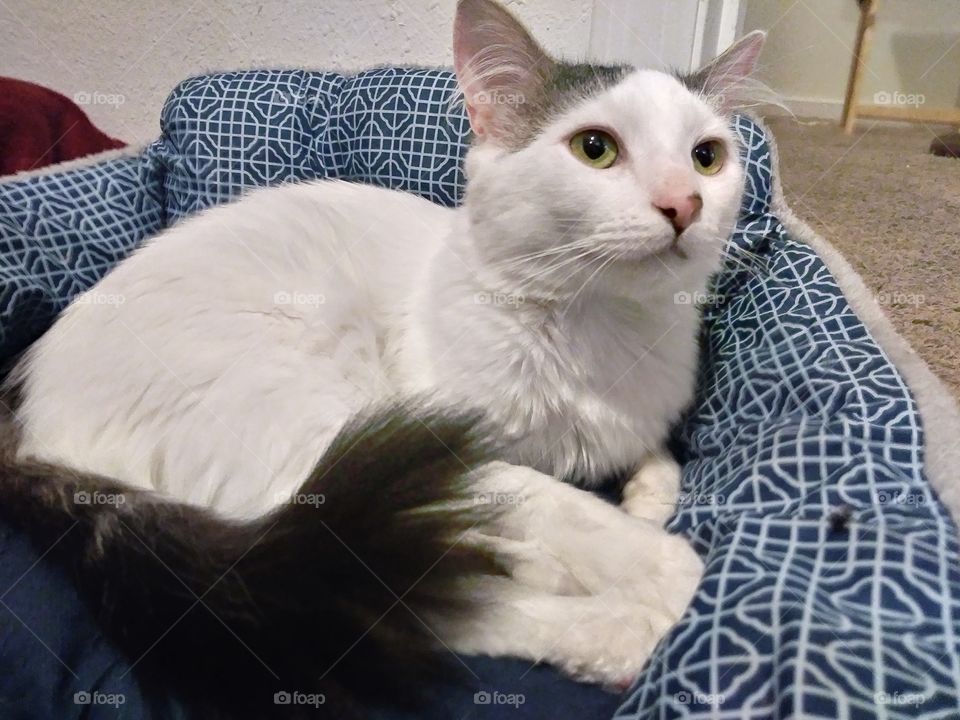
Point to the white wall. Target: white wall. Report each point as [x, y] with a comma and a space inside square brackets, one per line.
[916, 50]
[126, 55]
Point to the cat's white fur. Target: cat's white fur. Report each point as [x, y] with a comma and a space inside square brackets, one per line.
[218, 362]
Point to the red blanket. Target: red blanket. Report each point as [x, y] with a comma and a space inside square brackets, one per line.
[40, 127]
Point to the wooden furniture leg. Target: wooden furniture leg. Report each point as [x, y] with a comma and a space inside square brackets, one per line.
[868, 16]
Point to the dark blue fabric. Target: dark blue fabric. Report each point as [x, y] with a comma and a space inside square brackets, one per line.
[502, 689]
[54, 664]
[798, 412]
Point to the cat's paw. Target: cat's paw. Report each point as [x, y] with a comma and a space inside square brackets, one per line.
[610, 644]
[679, 575]
[653, 491]
[618, 629]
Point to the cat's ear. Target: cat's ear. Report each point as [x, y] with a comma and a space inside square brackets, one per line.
[499, 66]
[726, 78]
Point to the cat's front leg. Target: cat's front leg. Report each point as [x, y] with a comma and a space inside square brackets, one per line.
[590, 589]
[605, 639]
[653, 491]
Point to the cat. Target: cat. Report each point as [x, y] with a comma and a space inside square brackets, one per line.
[326, 384]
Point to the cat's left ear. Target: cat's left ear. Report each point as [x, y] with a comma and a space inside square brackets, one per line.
[499, 67]
[724, 78]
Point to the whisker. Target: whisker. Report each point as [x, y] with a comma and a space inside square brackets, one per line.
[582, 268]
[520, 259]
[736, 257]
[592, 275]
[530, 279]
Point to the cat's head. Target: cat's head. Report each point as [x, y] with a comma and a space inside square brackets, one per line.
[584, 177]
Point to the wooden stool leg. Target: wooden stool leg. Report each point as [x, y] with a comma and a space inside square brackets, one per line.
[868, 12]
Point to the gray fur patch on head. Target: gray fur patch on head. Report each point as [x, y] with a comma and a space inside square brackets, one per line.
[695, 82]
[565, 86]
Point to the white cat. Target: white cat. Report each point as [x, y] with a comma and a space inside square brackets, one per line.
[249, 335]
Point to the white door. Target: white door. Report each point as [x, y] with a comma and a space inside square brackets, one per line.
[662, 34]
[722, 24]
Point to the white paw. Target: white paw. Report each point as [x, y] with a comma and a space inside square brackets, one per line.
[679, 575]
[589, 589]
[653, 491]
[611, 640]
[612, 647]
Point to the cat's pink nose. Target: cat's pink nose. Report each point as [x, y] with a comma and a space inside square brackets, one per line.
[681, 210]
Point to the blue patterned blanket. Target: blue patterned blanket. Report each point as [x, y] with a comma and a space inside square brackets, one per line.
[833, 583]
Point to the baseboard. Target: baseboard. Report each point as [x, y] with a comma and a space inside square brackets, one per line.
[805, 107]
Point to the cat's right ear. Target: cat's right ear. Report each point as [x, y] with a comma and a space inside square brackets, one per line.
[499, 67]
[727, 78]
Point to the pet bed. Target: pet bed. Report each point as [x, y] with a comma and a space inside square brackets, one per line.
[819, 458]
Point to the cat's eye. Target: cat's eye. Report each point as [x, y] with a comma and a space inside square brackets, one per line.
[708, 157]
[596, 148]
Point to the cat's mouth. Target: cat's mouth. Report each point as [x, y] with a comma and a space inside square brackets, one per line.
[642, 249]
[676, 249]
[673, 248]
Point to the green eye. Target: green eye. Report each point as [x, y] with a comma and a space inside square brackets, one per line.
[708, 157]
[594, 148]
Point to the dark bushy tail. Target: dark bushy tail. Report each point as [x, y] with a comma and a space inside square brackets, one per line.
[327, 596]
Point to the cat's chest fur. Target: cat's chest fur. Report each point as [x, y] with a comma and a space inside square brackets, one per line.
[580, 393]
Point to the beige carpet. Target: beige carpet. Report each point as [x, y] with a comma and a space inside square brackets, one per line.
[893, 210]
